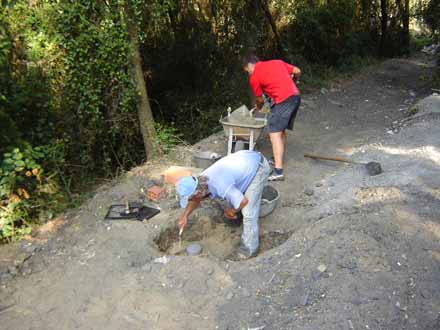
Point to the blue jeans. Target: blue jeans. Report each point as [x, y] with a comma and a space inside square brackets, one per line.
[250, 236]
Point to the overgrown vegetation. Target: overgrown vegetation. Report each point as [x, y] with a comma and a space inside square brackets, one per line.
[69, 107]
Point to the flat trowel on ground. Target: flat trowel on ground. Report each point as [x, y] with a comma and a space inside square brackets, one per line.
[373, 168]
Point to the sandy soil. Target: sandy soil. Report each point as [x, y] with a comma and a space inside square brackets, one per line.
[343, 250]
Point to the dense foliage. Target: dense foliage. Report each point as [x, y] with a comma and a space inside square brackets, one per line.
[68, 102]
[431, 15]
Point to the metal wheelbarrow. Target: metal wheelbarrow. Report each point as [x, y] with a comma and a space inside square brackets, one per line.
[242, 124]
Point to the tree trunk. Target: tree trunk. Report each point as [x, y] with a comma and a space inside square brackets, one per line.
[404, 15]
[366, 12]
[264, 5]
[384, 25]
[146, 120]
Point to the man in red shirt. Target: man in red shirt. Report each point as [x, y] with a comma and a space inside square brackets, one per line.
[275, 79]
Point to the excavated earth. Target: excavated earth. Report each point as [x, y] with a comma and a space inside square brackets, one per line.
[343, 250]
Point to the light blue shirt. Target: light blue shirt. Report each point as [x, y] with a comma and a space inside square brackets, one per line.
[230, 176]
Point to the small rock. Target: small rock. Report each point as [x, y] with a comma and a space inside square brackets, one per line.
[210, 271]
[322, 268]
[309, 191]
[425, 293]
[30, 249]
[146, 268]
[229, 296]
[5, 277]
[26, 270]
[12, 270]
[316, 275]
[324, 91]
[318, 184]
[305, 300]
[162, 260]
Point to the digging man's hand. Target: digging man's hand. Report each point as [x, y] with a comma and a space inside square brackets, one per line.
[230, 213]
[183, 220]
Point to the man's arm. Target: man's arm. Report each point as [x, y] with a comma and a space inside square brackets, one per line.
[259, 102]
[231, 213]
[192, 205]
[294, 71]
[296, 74]
[258, 92]
[237, 201]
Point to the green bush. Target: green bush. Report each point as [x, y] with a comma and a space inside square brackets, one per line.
[29, 188]
[168, 137]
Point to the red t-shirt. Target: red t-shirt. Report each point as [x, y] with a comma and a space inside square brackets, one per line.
[273, 78]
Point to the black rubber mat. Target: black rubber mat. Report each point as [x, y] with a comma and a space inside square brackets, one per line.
[135, 211]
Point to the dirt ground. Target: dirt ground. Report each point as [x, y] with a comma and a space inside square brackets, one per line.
[343, 250]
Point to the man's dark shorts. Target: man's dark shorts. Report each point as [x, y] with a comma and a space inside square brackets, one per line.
[283, 114]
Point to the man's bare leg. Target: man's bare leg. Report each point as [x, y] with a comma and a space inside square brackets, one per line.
[278, 143]
[284, 144]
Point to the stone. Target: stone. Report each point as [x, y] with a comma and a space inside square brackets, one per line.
[162, 260]
[316, 275]
[322, 268]
[425, 293]
[146, 268]
[6, 277]
[229, 296]
[26, 270]
[305, 300]
[30, 249]
[319, 184]
[309, 192]
[12, 270]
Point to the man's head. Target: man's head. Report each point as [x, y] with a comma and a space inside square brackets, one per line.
[248, 62]
[190, 187]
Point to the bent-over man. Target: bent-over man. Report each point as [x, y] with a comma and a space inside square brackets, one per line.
[239, 179]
